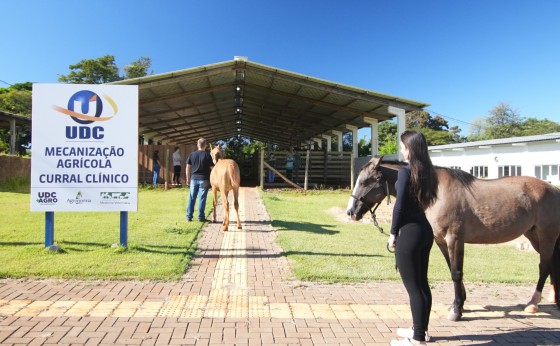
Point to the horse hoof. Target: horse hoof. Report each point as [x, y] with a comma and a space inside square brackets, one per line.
[239, 227]
[532, 309]
[454, 316]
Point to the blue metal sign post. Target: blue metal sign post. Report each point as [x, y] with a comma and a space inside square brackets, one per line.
[124, 228]
[49, 228]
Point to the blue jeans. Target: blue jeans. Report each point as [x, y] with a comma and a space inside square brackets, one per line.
[156, 174]
[198, 188]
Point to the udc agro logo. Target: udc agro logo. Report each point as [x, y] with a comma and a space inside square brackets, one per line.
[46, 198]
[86, 107]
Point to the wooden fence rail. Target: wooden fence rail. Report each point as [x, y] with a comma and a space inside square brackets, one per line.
[325, 168]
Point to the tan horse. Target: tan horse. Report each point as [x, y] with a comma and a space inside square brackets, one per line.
[225, 177]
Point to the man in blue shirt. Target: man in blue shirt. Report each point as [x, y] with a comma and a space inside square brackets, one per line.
[199, 165]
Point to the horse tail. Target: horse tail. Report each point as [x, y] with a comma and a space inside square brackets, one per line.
[555, 272]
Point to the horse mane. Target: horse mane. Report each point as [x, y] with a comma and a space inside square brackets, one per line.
[464, 178]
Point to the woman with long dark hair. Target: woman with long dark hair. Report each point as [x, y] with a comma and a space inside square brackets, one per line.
[411, 233]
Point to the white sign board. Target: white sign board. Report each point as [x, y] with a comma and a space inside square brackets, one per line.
[84, 148]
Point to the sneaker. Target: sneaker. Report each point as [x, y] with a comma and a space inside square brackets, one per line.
[407, 342]
[408, 333]
[203, 220]
[189, 220]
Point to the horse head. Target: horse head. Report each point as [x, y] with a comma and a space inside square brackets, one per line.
[370, 189]
[216, 153]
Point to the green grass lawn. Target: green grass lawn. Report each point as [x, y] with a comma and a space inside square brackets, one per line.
[160, 241]
[319, 246]
[322, 248]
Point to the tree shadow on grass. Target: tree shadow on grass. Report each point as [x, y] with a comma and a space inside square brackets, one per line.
[253, 252]
[74, 246]
[330, 254]
[19, 243]
[304, 227]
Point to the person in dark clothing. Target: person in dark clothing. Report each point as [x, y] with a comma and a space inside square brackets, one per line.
[199, 165]
[411, 233]
[157, 167]
[297, 164]
[272, 163]
[289, 164]
[176, 166]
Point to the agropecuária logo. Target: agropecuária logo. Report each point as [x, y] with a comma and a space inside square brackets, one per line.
[79, 199]
[86, 107]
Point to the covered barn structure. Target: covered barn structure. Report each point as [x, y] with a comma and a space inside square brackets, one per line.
[15, 124]
[277, 107]
[242, 98]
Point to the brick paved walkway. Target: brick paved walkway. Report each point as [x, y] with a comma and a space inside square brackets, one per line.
[239, 292]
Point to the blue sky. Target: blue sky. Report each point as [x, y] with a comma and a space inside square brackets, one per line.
[462, 57]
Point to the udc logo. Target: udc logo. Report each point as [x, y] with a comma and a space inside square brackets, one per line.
[86, 107]
[85, 99]
[46, 198]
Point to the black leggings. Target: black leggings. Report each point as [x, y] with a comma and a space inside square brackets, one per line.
[413, 254]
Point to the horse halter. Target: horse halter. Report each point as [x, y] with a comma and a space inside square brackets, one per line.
[373, 208]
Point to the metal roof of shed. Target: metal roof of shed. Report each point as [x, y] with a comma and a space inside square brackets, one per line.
[272, 105]
[6, 118]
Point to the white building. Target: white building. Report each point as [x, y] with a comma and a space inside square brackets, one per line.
[537, 156]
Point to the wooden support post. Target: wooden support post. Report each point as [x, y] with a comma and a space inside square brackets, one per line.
[306, 169]
[261, 169]
[166, 175]
[351, 172]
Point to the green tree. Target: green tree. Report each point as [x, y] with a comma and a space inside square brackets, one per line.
[503, 122]
[4, 139]
[92, 71]
[455, 136]
[239, 148]
[104, 70]
[388, 148]
[387, 141]
[533, 126]
[435, 137]
[477, 130]
[424, 120]
[364, 147]
[16, 99]
[138, 68]
[436, 129]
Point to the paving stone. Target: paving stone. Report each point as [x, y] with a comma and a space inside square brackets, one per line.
[239, 290]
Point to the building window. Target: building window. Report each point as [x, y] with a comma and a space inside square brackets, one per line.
[547, 172]
[509, 171]
[480, 171]
[455, 167]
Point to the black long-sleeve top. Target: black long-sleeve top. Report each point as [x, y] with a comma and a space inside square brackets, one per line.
[406, 208]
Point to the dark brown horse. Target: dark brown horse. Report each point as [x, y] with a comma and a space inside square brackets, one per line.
[225, 177]
[476, 211]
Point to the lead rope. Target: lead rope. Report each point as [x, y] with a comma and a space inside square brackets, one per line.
[372, 211]
[374, 217]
